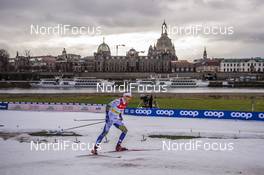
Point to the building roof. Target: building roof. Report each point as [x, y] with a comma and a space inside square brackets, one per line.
[182, 63]
[208, 62]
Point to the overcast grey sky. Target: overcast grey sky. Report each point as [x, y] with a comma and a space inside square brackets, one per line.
[135, 23]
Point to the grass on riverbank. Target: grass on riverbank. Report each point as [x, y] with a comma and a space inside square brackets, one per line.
[207, 103]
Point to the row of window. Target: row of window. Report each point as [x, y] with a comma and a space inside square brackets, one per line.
[184, 69]
[242, 64]
[129, 58]
[242, 70]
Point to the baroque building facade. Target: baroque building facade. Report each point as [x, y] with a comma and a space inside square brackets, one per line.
[242, 65]
[159, 58]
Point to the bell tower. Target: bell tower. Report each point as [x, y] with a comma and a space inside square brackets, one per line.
[205, 53]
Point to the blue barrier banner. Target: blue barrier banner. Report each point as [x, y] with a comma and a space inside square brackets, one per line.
[205, 114]
[3, 106]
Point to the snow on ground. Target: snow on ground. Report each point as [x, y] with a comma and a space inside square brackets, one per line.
[246, 157]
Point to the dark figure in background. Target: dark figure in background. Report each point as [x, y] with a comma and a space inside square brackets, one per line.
[144, 101]
[150, 100]
[147, 101]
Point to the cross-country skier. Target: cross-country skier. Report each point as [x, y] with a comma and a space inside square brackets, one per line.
[114, 111]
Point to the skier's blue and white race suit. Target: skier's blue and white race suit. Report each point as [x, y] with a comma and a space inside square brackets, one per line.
[114, 117]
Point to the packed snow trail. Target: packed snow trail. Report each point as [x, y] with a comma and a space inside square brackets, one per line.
[17, 159]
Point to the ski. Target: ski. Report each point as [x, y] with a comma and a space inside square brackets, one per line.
[82, 120]
[130, 150]
[99, 155]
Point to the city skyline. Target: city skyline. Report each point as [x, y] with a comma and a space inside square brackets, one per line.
[136, 25]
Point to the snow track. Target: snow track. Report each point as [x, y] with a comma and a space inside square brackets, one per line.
[246, 158]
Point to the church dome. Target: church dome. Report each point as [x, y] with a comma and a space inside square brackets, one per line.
[132, 52]
[164, 43]
[102, 48]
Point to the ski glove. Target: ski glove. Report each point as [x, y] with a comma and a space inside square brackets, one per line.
[120, 117]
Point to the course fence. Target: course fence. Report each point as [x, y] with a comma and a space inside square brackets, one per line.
[144, 112]
[205, 114]
[66, 107]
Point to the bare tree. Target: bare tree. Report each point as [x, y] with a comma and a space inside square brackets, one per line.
[4, 56]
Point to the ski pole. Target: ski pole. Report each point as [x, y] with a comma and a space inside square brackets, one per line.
[80, 120]
[83, 126]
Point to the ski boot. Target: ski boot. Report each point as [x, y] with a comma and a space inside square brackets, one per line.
[94, 150]
[120, 148]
